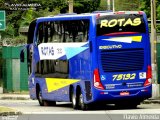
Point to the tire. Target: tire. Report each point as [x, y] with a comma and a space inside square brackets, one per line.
[82, 105]
[40, 100]
[44, 102]
[74, 100]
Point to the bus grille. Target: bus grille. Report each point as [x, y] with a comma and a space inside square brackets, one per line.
[122, 60]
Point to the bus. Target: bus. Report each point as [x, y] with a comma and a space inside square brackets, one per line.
[101, 58]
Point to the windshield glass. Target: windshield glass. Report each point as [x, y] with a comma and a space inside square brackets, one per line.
[120, 23]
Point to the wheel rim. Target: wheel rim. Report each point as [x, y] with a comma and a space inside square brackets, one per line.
[81, 102]
[73, 100]
[81, 99]
[40, 97]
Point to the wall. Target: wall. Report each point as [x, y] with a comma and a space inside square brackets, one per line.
[15, 73]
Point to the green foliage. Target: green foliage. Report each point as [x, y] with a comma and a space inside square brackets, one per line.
[158, 12]
[125, 5]
[27, 17]
[158, 16]
[1, 82]
[146, 7]
[9, 31]
[103, 5]
[158, 28]
[19, 40]
[85, 6]
[20, 18]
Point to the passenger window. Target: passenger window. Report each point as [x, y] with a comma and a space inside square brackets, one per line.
[63, 31]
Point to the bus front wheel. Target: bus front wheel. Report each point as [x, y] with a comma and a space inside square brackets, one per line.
[39, 97]
[44, 102]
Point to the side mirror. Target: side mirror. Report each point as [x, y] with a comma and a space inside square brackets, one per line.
[22, 56]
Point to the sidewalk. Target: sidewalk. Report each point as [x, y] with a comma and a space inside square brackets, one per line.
[152, 101]
[14, 96]
[6, 111]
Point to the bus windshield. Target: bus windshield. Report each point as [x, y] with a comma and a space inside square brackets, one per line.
[120, 23]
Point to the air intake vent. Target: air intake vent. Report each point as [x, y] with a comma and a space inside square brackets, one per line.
[122, 60]
[88, 90]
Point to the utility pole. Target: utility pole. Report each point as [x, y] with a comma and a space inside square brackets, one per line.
[113, 5]
[155, 86]
[70, 6]
[109, 4]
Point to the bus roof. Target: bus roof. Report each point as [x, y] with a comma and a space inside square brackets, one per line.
[68, 16]
[73, 16]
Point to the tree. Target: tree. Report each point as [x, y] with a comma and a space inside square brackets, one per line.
[103, 5]
[17, 18]
[146, 7]
[85, 6]
[158, 10]
[124, 5]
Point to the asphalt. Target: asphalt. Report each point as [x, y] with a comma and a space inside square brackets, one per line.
[12, 112]
[27, 97]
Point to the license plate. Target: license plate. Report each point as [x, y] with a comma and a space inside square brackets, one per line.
[124, 93]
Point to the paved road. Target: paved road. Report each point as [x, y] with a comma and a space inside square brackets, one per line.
[32, 107]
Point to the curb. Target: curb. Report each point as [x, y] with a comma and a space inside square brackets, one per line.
[14, 97]
[151, 101]
[10, 113]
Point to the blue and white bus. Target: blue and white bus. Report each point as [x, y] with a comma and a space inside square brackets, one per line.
[90, 58]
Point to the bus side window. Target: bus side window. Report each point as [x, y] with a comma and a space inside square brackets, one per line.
[29, 49]
[85, 30]
[31, 32]
[78, 30]
[40, 33]
[55, 32]
[67, 31]
[43, 32]
[46, 31]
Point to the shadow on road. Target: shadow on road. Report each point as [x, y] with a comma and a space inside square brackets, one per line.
[96, 107]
